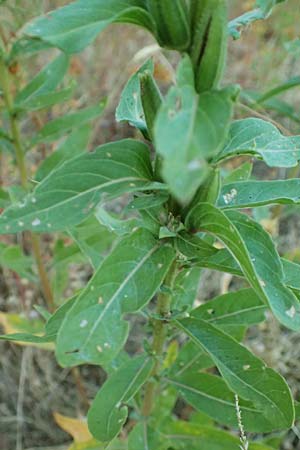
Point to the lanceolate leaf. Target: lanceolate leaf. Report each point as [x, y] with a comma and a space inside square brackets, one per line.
[247, 194]
[289, 84]
[93, 330]
[264, 8]
[51, 328]
[243, 307]
[193, 246]
[108, 412]
[43, 83]
[262, 139]
[191, 359]
[12, 257]
[210, 394]
[254, 250]
[244, 373]
[144, 437]
[183, 435]
[185, 288]
[130, 107]
[190, 129]
[76, 25]
[223, 261]
[73, 145]
[70, 193]
[63, 125]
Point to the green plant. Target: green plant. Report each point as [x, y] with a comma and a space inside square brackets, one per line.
[183, 207]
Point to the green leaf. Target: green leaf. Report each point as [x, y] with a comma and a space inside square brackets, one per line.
[263, 10]
[49, 99]
[191, 359]
[144, 437]
[243, 307]
[50, 330]
[73, 27]
[254, 250]
[287, 85]
[262, 139]
[120, 285]
[63, 125]
[75, 144]
[92, 239]
[242, 173]
[146, 201]
[4, 198]
[248, 194]
[210, 394]
[291, 274]
[12, 257]
[185, 288]
[25, 47]
[246, 375]
[223, 261]
[189, 130]
[183, 435]
[118, 226]
[193, 246]
[70, 193]
[42, 84]
[109, 412]
[130, 107]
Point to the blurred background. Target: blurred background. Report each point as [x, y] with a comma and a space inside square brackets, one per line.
[32, 387]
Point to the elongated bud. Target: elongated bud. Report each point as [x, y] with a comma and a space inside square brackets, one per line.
[209, 42]
[151, 99]
[172, 23]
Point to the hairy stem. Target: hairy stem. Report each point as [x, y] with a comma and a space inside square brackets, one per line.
[160, 329]
[5, 83]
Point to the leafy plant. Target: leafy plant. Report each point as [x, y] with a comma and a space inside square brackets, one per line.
[182, 215]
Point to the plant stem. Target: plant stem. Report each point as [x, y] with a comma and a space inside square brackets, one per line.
[5, 83]
[160, 329]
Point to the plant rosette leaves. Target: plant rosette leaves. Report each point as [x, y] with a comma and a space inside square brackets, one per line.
[263, 140]
[245, 374]
[109, 412]
[120, 285]
[75, 26]
[71, 193]
[254, 251]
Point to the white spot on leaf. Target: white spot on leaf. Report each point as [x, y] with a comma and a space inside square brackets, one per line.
[36, 222]
[230, 196]
[291, 312]
[83, 323]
